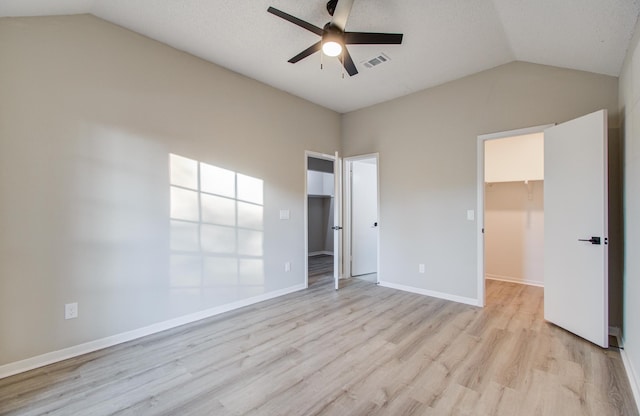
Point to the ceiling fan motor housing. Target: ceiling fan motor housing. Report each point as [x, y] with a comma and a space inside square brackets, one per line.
[332, 33]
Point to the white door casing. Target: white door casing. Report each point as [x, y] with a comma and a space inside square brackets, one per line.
[575, 205]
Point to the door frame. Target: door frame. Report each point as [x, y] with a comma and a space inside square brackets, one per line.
[347, 200]
[307, 155]
[480, 200]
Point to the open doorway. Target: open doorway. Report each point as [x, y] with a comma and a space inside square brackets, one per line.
[326, 239]
[320, 219]
[576, 216]
[512, 213]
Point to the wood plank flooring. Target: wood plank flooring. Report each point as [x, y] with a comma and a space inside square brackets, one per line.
[321, 264]
[364, 350]
[320, 269]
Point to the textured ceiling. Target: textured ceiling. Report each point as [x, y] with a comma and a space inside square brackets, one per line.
[443, 39]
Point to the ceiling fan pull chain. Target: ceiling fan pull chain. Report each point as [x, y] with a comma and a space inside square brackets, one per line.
[321, 61]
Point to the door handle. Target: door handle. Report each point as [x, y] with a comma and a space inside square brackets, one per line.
[337, 228]
[592, 240]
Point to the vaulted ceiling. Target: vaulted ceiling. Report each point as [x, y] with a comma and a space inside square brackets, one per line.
[443, 39]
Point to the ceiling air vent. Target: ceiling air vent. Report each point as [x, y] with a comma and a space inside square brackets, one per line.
[375, 61]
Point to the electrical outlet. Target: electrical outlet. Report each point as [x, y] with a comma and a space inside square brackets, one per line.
[70, 310]
[287, 266]
[420, 268]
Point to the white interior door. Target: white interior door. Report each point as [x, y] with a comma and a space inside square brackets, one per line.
[337, 221]
[364, 217]
[575, 206]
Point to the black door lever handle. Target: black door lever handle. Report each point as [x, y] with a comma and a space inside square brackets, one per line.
[592, 240]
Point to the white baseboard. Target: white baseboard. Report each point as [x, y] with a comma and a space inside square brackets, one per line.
[10, 369]
[514, 280]
[318, 253]
[439, 295]
[632, 375]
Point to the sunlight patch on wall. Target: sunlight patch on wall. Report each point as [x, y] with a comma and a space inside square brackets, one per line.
[217, 220]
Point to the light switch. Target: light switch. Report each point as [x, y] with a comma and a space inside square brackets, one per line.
[471, 215]
[284, 214]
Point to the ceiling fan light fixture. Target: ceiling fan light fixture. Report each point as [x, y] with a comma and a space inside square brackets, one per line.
[331, 48]
[332, 40]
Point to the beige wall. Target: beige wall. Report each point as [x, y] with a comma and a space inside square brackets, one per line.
[427, 144]
[630, 114]
[514, 231]
[89, 113]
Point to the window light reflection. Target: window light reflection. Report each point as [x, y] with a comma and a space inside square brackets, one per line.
[219, 210]
[184, 172]
[217, 221]
[218, 181]
[184, 204]
[249, 189]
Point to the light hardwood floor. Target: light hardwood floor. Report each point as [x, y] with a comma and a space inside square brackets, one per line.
[364, 350]
[320, 264]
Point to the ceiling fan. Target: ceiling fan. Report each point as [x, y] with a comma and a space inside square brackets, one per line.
[334, 37]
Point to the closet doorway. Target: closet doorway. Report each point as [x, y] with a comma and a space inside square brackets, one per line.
[513, 213]
[514, 209]
[576, 216]
[320, 219]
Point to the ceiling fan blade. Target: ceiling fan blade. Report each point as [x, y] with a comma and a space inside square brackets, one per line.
[341, 14]
[348, 63]
[366, 38]
[309, 51]
[296, 21]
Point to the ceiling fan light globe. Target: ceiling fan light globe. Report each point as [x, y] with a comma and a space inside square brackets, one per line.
[331, 48]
